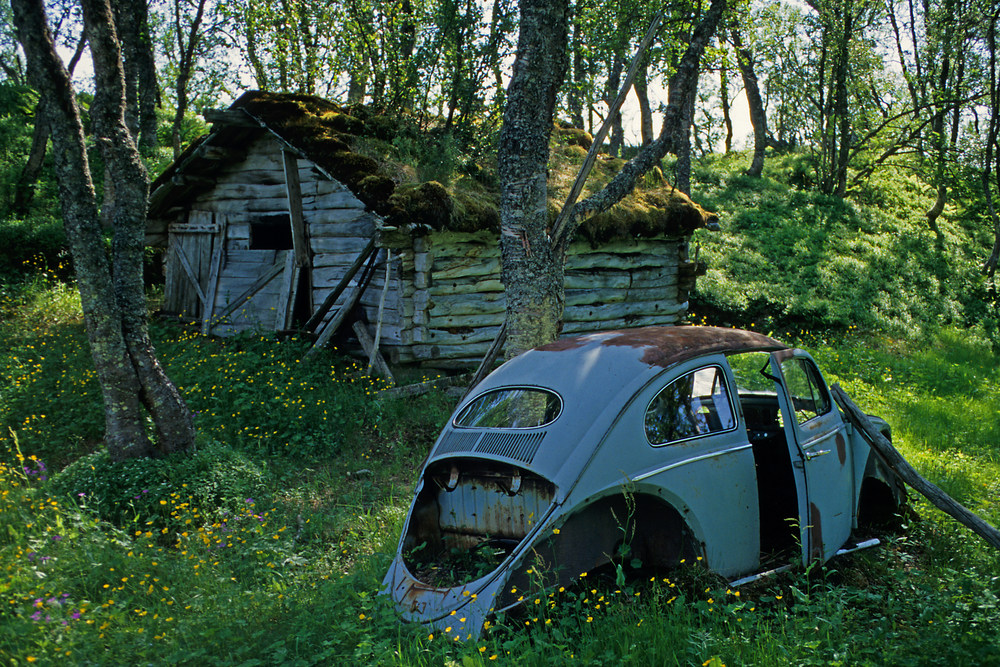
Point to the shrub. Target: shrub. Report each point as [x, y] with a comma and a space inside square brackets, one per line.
[138, 489]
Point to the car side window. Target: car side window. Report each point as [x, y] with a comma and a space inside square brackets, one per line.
[692, 405]
[805, 390]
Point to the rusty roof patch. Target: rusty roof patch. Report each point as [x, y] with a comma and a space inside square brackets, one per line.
[667, 345]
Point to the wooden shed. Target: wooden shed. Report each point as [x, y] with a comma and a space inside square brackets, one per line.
[293, 207]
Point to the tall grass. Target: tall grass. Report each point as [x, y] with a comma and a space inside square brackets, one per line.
[269, 546]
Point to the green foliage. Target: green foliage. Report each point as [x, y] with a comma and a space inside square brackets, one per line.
[139, 490]
[32, 246]
[791, 258]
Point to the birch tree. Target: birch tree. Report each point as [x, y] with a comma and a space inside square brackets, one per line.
[133, 384]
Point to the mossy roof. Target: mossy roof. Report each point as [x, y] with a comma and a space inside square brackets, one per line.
[353, 144]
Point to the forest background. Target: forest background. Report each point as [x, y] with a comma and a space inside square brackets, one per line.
[869, 235]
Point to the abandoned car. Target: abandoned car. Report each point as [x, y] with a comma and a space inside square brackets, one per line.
[632, 449]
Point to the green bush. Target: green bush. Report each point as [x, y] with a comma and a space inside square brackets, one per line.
[141, 490]
[34, 245]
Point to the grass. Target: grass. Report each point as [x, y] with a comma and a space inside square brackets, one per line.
[269, 546]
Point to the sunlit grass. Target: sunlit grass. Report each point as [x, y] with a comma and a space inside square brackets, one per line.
[270, 546]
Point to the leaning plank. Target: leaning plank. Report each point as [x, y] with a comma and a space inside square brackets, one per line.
[410, 390]
[287, 293]
[213, 277]
[338, 319]
[253, 289]
[181, 255]
[375, 360]
[892, 458]
[341, 286]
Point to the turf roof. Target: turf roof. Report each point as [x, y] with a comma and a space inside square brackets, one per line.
[354, 145]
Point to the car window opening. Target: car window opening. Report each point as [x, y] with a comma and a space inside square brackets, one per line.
[469, 516]
[693, 405]
[776, 492]
[518, 408]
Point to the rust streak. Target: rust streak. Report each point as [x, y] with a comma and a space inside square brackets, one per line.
[841, 449]
[815, 532]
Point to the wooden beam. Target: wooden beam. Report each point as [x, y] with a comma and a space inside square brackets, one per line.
[300, 244]
[892, 458]
[338, 319]
[381, 311]
[368, 345]
[332, 297]
[411, 390]
[250, 291]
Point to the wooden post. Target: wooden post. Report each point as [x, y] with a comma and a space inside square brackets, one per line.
[294, 189]
[213, 277]
[892, 458]
[381, 307]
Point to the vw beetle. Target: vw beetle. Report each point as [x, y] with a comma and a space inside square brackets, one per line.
[632, 449]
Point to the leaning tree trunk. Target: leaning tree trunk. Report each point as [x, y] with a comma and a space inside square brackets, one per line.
[532, 275]
[112, 297]
[758, 118]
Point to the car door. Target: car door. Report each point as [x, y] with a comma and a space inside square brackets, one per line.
[821, 459]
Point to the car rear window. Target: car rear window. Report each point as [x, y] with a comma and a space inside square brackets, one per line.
[520, 407]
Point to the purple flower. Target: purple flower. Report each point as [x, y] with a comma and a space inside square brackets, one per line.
[76, 616]
[37, 616]
[56, 538]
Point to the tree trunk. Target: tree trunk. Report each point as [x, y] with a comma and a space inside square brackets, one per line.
[186, 51]
[641, 87]
[758, 117]
[532, 275]
[141, 90]
[112, 296]
[727, 118]
[575, 102]
[617, 140]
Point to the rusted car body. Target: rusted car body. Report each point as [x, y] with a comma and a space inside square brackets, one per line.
[632, 449]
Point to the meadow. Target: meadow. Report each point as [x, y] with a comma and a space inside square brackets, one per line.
[268, 547]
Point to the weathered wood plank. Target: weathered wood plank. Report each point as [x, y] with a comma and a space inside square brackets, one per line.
[605, 260]
[615, 311]
[254, 288]
[213, 277]
[339, 244]
[366, 255]
[471, 286]
[465, 268]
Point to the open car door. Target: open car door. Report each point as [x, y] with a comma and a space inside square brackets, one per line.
[821, 459]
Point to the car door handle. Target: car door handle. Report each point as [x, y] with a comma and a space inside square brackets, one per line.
[811, 455]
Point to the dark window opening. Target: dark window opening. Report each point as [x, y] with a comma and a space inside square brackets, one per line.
[271, 232]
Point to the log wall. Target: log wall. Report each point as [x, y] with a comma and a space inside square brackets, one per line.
[453, 301]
